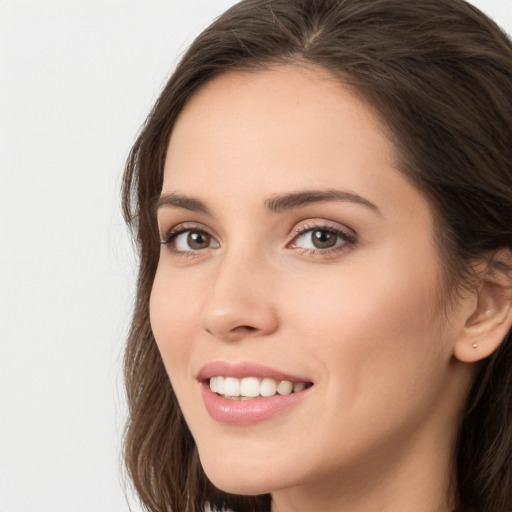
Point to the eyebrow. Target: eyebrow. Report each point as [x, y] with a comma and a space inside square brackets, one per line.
[274, 204]
[174, 200]
[280, 203]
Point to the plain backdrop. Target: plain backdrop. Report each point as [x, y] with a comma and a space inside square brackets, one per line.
[77, 79]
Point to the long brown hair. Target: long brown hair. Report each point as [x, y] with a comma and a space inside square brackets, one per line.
[439, 74]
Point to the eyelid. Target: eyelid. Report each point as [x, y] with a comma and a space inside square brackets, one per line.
[348, 236]
[320, 224]
[170, 234]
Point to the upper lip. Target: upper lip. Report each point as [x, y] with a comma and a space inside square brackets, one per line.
[245, 369]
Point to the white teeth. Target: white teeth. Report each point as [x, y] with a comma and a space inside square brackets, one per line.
[268, 387]
[299, 386]
[285, 387]
[217, 385]
[231, 386]
[252, 387]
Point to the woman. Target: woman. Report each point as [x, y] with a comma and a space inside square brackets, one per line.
[322, 200]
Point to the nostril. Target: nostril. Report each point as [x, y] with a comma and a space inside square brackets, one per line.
[239, 329]
[247, 328]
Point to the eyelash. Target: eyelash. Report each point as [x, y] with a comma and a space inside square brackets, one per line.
[349, 240]
[173, 233]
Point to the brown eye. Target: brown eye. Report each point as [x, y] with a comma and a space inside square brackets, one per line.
[198, 240]
[190, 240]
[323, 239]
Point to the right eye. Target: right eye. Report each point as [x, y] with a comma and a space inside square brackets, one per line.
[186, 240]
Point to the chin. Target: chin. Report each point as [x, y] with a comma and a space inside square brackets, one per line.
[241, 488]
[233, 483]
[241, 475]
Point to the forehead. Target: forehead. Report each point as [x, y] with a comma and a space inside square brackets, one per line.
[290, 121]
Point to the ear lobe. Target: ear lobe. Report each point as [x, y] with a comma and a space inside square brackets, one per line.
[491, 317]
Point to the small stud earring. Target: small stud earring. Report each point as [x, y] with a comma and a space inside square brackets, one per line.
[475, 345]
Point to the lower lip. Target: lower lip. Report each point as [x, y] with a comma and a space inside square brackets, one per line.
[247, 412]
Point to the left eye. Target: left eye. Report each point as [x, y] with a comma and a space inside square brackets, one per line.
[321, 238]
[192, 240]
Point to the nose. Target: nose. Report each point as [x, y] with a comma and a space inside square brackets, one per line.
[239, 303]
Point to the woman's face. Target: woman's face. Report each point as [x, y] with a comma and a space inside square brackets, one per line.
[295, 251]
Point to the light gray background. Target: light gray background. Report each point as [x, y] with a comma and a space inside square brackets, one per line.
[77, 79]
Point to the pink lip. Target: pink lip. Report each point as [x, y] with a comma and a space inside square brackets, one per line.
[246, 412]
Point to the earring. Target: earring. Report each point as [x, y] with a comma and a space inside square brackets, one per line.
[475, 345]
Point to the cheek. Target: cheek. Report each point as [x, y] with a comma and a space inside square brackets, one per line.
[363, 305]
[173, 315]
[373, 338]
[370, 328]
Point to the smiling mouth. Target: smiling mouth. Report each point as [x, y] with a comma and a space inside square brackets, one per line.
[250, 388]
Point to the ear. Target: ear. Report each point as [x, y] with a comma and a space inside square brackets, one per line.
[490, 316]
